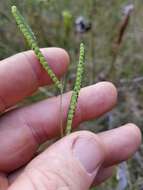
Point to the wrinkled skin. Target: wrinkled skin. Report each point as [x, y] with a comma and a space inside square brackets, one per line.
[76, 161]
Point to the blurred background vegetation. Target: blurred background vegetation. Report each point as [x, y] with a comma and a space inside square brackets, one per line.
[100, 24]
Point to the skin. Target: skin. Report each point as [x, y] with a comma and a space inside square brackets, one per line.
[64, 165]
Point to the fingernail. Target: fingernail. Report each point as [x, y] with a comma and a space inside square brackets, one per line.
[89, 153]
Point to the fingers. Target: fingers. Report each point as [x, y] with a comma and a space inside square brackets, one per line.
[120, 143]
[103, 175]
[76, 160]
[93, 101]
[119, 147]
[41, 121]
[71, 163]
[22, 74]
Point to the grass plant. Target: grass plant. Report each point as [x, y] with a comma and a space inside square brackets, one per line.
[31, 39]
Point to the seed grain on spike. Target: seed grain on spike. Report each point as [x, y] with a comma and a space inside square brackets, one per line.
[76, 90]
[31, 39]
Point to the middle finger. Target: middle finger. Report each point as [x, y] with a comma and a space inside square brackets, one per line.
[23, 130]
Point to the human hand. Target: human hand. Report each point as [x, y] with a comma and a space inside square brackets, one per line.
[74, 162]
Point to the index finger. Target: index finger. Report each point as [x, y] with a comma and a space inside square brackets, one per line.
[22, 74]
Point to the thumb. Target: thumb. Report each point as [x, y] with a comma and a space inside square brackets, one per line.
[71, 163]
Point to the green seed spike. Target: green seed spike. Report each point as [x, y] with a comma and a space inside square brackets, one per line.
[31, 39]
[76, 90]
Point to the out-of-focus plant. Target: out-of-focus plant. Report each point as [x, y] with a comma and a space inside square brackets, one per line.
[68, 21]
[118, 41]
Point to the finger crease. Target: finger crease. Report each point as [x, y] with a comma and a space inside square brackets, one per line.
[50, 174]
[32, 68]
[3, 104]
[35, 135]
